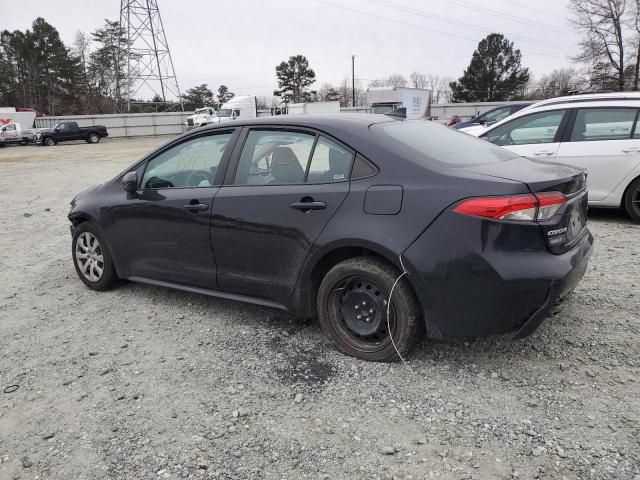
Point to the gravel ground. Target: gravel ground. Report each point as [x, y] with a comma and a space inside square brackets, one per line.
[143, 382]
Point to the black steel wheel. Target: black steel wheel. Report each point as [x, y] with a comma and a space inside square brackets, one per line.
[354, 310]
[632, 200]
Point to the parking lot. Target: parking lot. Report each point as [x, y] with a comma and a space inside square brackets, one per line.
[143, 382]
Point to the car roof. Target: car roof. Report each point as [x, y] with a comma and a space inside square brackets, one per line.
[588, 97]
[614, 99]
[363, 120]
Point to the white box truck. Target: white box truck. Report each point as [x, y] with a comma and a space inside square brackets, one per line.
[9, 115]
[387, 99]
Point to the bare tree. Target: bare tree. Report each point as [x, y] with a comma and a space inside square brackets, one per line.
[396, 80]
[634, 24]
[419, 80]
[441, 90]
[559, 82]
[344, 91]
[602, 23]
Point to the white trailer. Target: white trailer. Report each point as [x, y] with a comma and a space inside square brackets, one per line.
[386, 99]
[313, 108]
[9, 115]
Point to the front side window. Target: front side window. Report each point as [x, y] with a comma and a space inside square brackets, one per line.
[603, 124]
[274, 158]
[530, 129]
[62, 126]
[190, 164]
[10, 128]
[330, 162]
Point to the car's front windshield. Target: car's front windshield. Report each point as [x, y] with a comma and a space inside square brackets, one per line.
[202, 111]
[225, 112]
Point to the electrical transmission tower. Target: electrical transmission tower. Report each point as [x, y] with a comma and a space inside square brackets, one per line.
[149, 68]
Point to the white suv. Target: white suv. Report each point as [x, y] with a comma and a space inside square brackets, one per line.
[597, 132]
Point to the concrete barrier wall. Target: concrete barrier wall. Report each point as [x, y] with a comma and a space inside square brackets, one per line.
[172, 123]
[126, 125]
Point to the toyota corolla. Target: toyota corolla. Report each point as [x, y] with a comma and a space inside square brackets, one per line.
[383, 229]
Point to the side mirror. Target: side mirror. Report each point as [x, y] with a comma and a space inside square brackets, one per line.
[130, 182]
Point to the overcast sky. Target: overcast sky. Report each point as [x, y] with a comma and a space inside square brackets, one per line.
[239, 42]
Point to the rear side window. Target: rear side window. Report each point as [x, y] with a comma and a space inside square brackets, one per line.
[444, 144]
[274, 158]
[530, 129]
[330, 162]
[594, 124]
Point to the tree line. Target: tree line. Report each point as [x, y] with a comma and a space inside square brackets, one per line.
[38, 70]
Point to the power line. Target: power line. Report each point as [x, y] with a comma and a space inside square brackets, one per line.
[400, 22]
[500, 14]
[534, 9]
[433, 16]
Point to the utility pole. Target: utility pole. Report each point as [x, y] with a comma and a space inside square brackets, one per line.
[353, 80]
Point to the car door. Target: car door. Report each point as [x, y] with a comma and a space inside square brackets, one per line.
[279, 194]
[605, 142]
[535, 135]
[63, 132]
[162, 231]
[10, 132]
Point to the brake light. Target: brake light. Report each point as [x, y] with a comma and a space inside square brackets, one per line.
[529, 207]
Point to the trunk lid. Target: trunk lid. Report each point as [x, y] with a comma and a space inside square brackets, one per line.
[567, 226]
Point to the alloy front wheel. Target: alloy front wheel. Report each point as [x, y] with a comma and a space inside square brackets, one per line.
[91, 258]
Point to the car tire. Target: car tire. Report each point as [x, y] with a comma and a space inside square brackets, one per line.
[632, 200]
[93, 138]
[352, 308]
[49, 141]
[92, 259]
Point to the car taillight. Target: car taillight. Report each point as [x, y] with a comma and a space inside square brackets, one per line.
[530, 207]
[549, 203]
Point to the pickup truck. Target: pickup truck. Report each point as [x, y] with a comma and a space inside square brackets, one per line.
[68, 131]
[14, 133]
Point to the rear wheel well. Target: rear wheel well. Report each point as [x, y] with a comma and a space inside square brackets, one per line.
[626, 190]
[331, 259]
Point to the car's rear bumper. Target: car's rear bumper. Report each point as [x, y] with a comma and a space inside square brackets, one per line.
[477, 277]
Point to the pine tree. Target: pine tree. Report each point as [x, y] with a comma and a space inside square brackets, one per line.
[494, 74]
[224, 94]
[294, 76]
[198, 96]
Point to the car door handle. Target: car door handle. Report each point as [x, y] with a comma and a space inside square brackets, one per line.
[196, 207]
[544, 152]
[631, 150]
[305, 206]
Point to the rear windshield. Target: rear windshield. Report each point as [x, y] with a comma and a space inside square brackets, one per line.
[444, 144]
